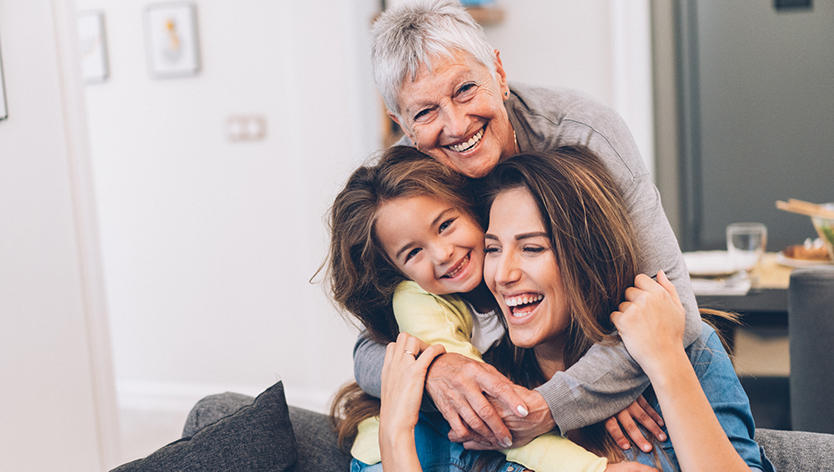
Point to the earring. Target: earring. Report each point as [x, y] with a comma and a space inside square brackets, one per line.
[506, 94]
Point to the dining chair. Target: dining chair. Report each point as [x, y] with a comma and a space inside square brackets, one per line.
[811, 333]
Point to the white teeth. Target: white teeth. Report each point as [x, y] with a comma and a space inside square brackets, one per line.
[458, 268]
[468, 145]
[523, 299]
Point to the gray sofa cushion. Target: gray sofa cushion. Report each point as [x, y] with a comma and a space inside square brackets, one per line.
[256, 437]
[797, 451]
[315, 438]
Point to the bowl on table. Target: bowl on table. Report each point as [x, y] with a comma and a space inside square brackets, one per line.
[825, 228]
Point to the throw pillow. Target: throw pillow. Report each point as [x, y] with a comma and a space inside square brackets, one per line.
[258, 437]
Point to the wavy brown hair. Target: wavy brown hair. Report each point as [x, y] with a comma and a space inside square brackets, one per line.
[361, 277]
[591, 235]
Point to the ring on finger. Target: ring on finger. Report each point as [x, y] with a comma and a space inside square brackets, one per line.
[409, 352]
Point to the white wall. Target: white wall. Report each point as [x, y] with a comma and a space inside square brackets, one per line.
[208, 244]
[57, 387]
[601, 47]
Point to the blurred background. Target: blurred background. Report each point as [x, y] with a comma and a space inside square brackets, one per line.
[160, 237]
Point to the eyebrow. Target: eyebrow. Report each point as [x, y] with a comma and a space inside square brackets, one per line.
[519, 237]
[434, 222]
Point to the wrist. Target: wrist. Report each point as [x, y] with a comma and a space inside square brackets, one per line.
[668, 369]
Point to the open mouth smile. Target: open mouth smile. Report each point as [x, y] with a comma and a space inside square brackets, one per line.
[523, 305]
[457, 268]
[466, 146]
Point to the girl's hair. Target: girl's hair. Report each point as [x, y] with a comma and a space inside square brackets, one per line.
[362, 278]
[591, 235]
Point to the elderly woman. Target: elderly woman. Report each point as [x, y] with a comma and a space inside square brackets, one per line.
[447, 89]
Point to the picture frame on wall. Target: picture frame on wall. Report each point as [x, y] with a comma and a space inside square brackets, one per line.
[93, 44]
[4, 112]
[172, 41]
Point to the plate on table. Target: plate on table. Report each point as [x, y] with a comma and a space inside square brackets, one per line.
[708, 263]
[784, 260]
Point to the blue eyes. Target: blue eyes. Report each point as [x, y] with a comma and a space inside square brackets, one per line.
[445, 225]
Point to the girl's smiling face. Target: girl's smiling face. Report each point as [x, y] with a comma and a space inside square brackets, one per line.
[433, 243]
[521, 270]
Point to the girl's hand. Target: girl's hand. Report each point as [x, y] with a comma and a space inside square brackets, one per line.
[403, 378]
[651, 321]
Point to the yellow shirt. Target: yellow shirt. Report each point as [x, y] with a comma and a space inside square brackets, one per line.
[446, 320]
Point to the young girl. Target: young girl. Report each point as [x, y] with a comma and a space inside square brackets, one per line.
[407, 256]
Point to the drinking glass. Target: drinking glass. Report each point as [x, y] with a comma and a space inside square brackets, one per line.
[746, 243]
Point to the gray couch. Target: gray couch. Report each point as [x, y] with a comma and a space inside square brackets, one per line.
[233, 432]
[790, 451]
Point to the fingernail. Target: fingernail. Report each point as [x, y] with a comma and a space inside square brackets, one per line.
[485, 444]
[647, 448]
[625, 445]
[661, 436]
[507, 442]
[522, 411]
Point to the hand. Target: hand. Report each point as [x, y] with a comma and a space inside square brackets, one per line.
[457, 385]
[645, 414]
[629, 467]
[538, 421]
[403, 378]
[651, 321]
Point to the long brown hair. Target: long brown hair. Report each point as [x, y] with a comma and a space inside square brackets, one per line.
[362, 279]
[595, 247]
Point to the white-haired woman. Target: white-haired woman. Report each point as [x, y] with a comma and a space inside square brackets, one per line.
[447, 88]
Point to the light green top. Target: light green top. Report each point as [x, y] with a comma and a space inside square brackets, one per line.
[446, 320]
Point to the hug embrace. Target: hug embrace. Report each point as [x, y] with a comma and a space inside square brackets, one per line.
[518, 226]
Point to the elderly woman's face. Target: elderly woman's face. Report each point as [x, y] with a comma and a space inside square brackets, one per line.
[455, 113]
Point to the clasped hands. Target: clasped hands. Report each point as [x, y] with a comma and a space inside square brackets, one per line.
[485, 410]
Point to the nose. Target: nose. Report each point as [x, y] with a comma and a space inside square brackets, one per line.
[443, 252]
[455, 122]
[506, 269]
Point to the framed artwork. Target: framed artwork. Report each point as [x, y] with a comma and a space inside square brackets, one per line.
[172, 44]
[4, 112]
[93, 46]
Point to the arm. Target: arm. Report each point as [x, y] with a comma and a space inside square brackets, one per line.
[403, 376]
[457, 380]
[651, 324]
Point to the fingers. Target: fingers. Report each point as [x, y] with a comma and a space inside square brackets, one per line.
[633, 431]
[613, 428]
[653, 414]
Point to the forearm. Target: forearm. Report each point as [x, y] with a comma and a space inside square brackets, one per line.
[368, 358]
[398, 451]
[690, 419]
[602, 383]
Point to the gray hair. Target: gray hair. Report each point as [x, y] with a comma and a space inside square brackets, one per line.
[410, 35]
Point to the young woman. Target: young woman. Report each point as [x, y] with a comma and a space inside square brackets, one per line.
[560, 258]
[407, 255]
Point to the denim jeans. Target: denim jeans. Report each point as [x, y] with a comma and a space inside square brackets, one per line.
[436, 452]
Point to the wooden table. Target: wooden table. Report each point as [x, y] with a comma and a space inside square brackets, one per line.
[766, 304]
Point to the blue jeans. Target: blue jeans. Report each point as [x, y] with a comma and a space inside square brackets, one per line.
[436, 452]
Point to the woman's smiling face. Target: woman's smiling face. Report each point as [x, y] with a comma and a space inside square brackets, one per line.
[521, 270]
[455, 113]
[432, 243]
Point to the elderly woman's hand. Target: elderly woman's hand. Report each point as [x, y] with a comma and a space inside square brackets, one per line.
[651, 321]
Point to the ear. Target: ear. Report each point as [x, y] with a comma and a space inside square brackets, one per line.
[405, 129]
[501, 76]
